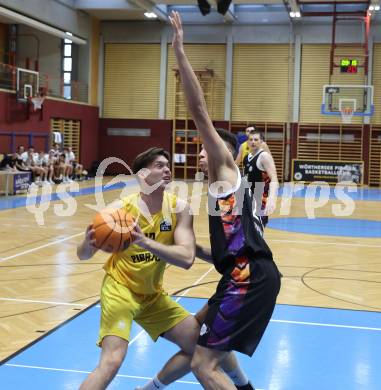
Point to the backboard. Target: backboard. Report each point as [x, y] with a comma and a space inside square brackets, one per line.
[337, 98]
[27, 84]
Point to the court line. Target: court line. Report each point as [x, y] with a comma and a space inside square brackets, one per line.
[44, 302]
[185, 292]
[176, 300]
[88, 372]
[41, 247]
[327, 325]
[49, 244]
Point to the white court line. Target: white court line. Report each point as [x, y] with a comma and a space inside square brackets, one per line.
[41, 247]
[185, 292]
[327, 325]
[44, 302]
[325, 243]
[88, 372]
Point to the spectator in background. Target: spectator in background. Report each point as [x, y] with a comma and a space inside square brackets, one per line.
[42, 162]
[20, 151]
[70, 159]
[50, 161]
[56, 150]
[8, 163]
[66, 169]
[31, 163]
[20, 164]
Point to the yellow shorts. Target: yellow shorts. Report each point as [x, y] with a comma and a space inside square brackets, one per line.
[156, 313]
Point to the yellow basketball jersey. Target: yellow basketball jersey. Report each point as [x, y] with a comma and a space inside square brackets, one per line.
[136, 267]
[245, 150]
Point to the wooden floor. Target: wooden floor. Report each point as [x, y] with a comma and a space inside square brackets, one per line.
[42, 283]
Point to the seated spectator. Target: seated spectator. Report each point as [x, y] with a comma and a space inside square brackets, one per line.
[56, 150]
[62, 170]
[49, 163]
[20, 152]
[8, 163]
[42, 162]
[20, 163]
[31, 163]
[70, 159]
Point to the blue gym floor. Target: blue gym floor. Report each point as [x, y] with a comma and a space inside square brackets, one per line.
[303, 348]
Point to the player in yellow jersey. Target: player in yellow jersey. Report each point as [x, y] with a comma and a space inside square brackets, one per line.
[132, 287]
[244, 150]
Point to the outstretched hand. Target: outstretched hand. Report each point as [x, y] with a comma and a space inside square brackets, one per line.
[177, 40]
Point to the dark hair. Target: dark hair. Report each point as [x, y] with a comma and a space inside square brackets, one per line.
[230, 139]
[261, 137]
[144, 159]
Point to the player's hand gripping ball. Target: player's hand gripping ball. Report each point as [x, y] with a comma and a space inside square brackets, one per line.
[113, 230]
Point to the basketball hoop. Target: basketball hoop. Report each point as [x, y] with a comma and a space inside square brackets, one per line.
[346, 114]
[37, 102]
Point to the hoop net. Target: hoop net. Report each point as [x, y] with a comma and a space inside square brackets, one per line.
[37, 102]
[346, 114]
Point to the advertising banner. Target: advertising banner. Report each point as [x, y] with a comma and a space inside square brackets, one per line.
[329, 171]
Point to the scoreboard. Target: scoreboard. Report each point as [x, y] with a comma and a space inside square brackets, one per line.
[348, 65]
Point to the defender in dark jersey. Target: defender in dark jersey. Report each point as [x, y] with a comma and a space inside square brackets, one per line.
[259, 170]
[242, 306]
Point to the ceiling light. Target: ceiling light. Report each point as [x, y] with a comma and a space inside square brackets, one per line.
[150, 15]
[371, 8]
[297, 14]
[292, 14]
[377, 7]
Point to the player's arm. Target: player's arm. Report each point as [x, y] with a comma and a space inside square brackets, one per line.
[182, 252]
[268, 164]
[204, 253]
[221, 163]
[238, 160]
[86, 249]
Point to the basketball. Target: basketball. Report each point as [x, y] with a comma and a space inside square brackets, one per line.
[113, 230]
[178, 139]
[195, 139]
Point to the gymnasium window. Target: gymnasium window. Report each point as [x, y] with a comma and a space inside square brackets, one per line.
[69, 59]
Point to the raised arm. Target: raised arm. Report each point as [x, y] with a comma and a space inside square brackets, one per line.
[221, 162]
[182, 252]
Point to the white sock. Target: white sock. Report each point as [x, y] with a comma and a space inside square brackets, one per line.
[153, 384]
[238, 377]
